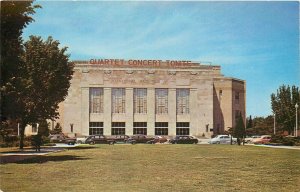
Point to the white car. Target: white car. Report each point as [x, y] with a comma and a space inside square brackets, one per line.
[222, 139]
[81, 140]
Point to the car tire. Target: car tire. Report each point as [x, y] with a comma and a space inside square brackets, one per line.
[79, 142]
[92, 143]
[218, 142]
[133, 142]
[111, 143]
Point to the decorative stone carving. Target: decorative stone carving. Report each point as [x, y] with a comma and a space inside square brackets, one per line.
[107, 72]
[172, 72]
[129, 71]
[85, 70]
[194, 72]
[151, 71]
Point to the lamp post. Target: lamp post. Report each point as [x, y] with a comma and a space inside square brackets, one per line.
[274, 123]
[296, 133]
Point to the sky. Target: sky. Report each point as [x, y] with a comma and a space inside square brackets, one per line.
[254, 41]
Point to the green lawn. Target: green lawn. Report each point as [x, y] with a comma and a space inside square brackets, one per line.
[157, 168]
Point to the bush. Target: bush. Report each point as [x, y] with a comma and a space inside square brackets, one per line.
[288, 141]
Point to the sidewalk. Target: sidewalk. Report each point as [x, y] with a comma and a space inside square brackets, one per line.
[279, 147]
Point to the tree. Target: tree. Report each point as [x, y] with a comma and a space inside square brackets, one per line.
[261, 126]
[45, 79]
[283, 106]
[15, 16]
[239, 129]
[249, 122]
[43, 129]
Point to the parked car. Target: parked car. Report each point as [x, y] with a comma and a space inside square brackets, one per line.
[159, 139]
[96, 139]
[250, 139]
[81, 140]
[139, 138]
[262, 140]
[117, 139]
[60, 138]
[184, 140]
[222, 139]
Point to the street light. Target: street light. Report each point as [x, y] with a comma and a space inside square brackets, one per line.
[274, 123]
[296, 106]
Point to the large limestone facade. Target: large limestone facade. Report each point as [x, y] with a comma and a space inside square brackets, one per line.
[209, 113]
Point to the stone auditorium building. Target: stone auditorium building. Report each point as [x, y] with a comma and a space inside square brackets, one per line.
[151, 97]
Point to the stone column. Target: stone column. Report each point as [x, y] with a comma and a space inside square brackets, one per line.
[129, 111]
[193, 104]
[107, 111]
[151, 111]
[172, 111]
[85, 113]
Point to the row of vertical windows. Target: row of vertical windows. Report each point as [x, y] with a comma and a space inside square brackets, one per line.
[118, 128]
[139, 100]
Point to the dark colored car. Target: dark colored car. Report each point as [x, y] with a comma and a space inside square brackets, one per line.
[60, 138]
[117, 139]
[140, 139]
[96, 139]
[184, 140]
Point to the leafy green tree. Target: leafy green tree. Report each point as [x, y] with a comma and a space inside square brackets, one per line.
[43, 128]
[250, 122]
[261, 126]
[239, 129]
[283, 105]
[44, 82]
[15, 16]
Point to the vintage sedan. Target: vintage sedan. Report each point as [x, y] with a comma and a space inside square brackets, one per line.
[160, 139]
[96, 139]
[184, 140]
[139, 138]
[262, 140]
[222, 139]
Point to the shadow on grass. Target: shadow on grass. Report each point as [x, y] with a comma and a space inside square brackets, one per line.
[26, 159]
[45, 158]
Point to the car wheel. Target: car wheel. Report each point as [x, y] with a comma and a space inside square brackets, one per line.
[111, 142]
[79, 142]
[218, 142]
[92, 143]
[133, 142]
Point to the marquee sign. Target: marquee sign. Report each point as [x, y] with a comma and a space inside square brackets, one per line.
[141, 63]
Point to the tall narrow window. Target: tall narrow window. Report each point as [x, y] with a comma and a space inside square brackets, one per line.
[237, 97]
[161, 101]
[182, 100]
[96, 100]
[34, 128]
[140, 100]
[118, 100]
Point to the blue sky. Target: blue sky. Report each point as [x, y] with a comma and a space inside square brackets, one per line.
[254, 41]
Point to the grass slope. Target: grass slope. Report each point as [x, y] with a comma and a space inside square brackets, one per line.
[157, 168]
